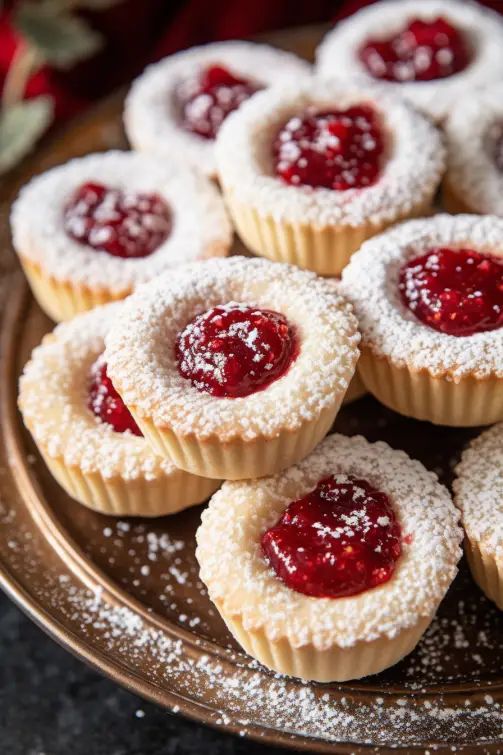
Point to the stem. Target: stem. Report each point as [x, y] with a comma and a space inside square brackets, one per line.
[24, 61]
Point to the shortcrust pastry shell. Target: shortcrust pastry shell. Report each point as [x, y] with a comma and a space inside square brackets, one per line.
[116, 496]
[326, 250]
[238, 458]
[334, 664]
[486, 569]
[468, 402]
[63, 300]
[452, 202]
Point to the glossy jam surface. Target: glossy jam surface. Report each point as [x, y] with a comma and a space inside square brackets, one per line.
[339, 540]
[105, 402]
[422, 51]
[207, 99]
[337, 149]
[121, 223]
[455, 291]
[234, 350]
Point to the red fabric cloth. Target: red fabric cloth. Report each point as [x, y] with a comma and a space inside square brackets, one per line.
[138, 32]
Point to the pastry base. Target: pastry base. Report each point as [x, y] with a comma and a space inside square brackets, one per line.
[62, 300]
[452, 203]
[335, 664]
[469, 403]
[325, 250]
[486, 570]
[355, 390]
[237, 459]
[138, 497]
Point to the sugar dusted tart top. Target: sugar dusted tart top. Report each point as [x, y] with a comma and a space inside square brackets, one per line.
[241, 582]
[199, 223]
[480, 28]
[152, 112]
[141, 357]
[411, 166]
[389, 328]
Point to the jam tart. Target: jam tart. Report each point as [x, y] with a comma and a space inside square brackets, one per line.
[430, 52]
[474, 133]
[89, 231]
[333, 569]
[216, 362]
[312, 169]
[179, 104]
[478, 492]
[85, 434]
[428, 295]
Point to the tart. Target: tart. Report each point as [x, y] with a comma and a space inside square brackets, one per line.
[431, 52]
[429, 298]
[333, 569]
[312, 169]
[87, 437]
[89, 231]
[216, 364]
[179, 104]
[478, 492]
[474, 178]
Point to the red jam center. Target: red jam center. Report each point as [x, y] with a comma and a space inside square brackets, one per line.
[105, 402]
[455, 291]
[233, 350]
[207, 99]
[122, 223]
[336, 149]
[422, 51]
[339, 540]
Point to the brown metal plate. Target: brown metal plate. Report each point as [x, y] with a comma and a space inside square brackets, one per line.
[125, 595]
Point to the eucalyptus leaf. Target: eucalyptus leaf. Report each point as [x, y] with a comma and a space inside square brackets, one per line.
[60, 39]
[21, 125]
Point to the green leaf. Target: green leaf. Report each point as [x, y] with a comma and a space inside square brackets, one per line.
[60, 39]
[21, 125]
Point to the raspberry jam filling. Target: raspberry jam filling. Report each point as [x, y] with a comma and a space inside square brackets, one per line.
[105, 402]
[336, 149]
[454, 291]
[234, 350]
[205, 100]
[422, 51]
[121, 223]
[340, 539]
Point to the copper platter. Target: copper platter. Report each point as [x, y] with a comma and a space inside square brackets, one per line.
[125, 596]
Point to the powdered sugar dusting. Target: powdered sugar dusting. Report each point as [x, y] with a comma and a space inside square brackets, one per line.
[412, 162]
[479, 490]
[239, 577]
[472, 129]
[39, 235]
[151, 116]
[389, 328]
[54, 401]
[338, 53]
[141, 357]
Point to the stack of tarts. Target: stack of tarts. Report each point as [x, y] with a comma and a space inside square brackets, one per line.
[327, 557]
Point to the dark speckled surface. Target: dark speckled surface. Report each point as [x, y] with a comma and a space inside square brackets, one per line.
[52, 704]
